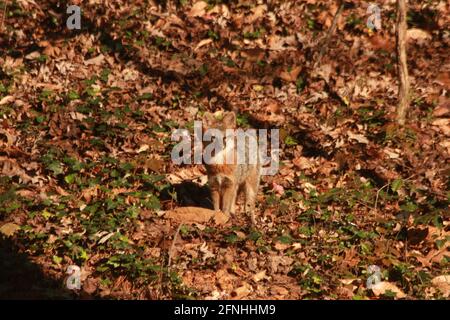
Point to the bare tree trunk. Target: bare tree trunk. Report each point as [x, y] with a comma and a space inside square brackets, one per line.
[403, 88]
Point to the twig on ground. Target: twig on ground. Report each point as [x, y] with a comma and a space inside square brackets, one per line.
[330, 33]
[4, 15]
[175, 237]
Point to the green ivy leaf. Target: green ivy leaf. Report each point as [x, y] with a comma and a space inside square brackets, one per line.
[396, 184]
[57, 259]
[70, 178]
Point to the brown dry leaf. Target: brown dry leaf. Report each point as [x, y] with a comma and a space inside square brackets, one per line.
[10, 137]
[258, 12]
[279, 291]
[279, 263]
[253, 54]
[358, 137]
[26, 193]
[292, 75]
[52, 51]
[143, 148]
[98, 60]
[6, 100]
[324, 72]
[8, 229]
[192, 173]
[10, 168]
[156, 165]
[443, 124]
[198, 9]
[347, 281]
[90, 192]
[443, 284]
[240, 234]
[281, 246]
[351, 258]
[391, 153]
[382, 42]
[443, 108]
[206, 252]
[202, 43]
[90, 285]
[242, 291]
[435, 256]
[33, 55]
[193, 215]
[225, 280]
[384, 286]
[418, 35]
[260, 276]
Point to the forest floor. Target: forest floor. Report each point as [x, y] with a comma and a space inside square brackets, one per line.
[86, 178]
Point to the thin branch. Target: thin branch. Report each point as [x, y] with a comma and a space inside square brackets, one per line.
[4, 16]
[330, 33]
[172, 247]
[378, 193]
[403, 88]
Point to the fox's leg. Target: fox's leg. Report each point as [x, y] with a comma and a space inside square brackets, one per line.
[229, 193]
[215, 195]
[250, 200]
[251, 186]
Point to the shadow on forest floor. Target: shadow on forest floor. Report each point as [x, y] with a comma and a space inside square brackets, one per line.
[22, 279]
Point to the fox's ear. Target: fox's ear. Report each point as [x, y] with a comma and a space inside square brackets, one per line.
[208, 119]
[229, 119]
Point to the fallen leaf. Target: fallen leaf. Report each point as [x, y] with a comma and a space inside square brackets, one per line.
[6, 100]
[260, 276]
[202, 43]
[198, 9]
[292, 75]
[242, 291]
[206, 252]
[417, 34]
[33, 55]
[8, 229]
[358, 137]
[98, 60]
[443, 284]
[383, 287]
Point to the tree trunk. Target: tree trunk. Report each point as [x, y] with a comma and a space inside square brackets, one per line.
[403, 88]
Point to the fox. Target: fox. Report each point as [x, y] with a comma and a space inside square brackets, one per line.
[227, 179]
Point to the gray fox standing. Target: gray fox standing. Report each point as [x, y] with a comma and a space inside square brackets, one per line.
[228, 178]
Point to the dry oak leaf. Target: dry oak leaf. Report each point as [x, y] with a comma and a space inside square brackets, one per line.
[434, 256]
[8, 229]
[443, 284]
[6, 100]
[358, 137]
[196, 215]
[291, 75]
[182, 175]
[383, 287]
[225, 280]
[417, 34]
[98, 60]
[202, 43]
[260, 276]
[443, 124]
[198, 9]
[443, 108]
[242, 291]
